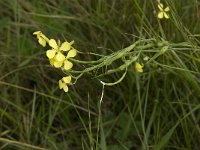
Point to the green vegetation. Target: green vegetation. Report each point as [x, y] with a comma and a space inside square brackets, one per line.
[155, 109]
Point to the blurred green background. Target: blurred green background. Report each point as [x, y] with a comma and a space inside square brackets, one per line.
[141, 112]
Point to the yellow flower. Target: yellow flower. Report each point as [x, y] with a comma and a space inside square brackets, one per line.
[139, 67]
[56, 50]
[42, 39]
[63, 83]
[56, 56]
[163, 12]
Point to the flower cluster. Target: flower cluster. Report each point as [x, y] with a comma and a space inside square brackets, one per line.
[58, 55]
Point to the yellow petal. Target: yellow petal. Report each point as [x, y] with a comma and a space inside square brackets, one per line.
[53, 44]
[44, 37]
[42, 41]
[50, 53]
[52, 61]
[140, 70]
[166, 9]
[67, 79]
[67, 65]
[139, 67]
[65, 46]
[166, 15]
[71, 53]
[37, 32]
[58, 64]
[65, 88]
[160, 15]
[60, 57]
[61, 84]
[160, 6]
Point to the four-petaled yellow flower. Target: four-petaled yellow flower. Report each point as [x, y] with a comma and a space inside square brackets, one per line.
[63, 83]
[163, 11]
[56, 56]
[139, 67]
[42, 39]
